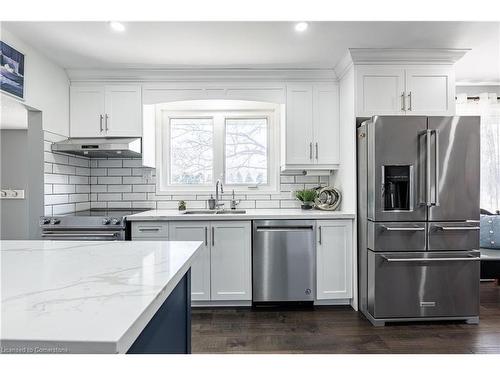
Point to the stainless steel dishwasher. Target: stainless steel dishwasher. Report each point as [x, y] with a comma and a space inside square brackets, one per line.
[284, 260]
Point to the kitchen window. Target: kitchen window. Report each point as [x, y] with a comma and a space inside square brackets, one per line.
[198, 146]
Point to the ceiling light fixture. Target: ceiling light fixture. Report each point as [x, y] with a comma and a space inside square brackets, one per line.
[301, 27]
[117, 26]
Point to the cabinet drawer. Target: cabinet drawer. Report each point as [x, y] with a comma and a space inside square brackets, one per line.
[399, 236]
[150, 230]
[453, 236]
[423, 284]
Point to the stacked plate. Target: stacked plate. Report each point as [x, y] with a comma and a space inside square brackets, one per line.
[328, 198]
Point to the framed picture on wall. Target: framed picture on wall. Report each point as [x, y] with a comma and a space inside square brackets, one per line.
[11, 71]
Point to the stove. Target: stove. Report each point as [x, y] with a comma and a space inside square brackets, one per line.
[91, 225]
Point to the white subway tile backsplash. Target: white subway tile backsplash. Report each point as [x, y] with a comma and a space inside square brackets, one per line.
[62, 209]
[63, 169]
[100, 188]
[121, 204]
[132, 163]
[118, 188]
[73, 198]
[110, 163]
[56, 199]
[134, 196]
[47, 211]
[56, 179]
[98, 171]
[47, 168]
[63, 189]
[80, 180]
[267, 204]
[135, 180]
[82, 206]
[109, 197]
[82, 188]
[144, 188]
[124, 183]
[109, 180]
[119, 172]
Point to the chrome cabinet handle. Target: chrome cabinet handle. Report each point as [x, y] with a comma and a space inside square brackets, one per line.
[457, 228]
[403, 101]
[213, 236]
[206, 236]
[310, 150]
[428, 167]
[100, 122]
[319, 228]
[316, 150]
[436, 167]
[149, 229]
[469, 259]
[403, 229]
[409, 102]
[106, 122]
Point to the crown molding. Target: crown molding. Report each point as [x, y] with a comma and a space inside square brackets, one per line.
[198, 75]
[407, 55]
[355, 56]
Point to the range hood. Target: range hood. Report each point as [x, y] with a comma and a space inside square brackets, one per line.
[100, 147]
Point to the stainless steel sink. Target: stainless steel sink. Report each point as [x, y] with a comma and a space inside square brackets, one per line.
[212, 212]
[230, 212]
[200, 212]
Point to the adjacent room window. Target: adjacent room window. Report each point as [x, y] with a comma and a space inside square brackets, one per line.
[200, 145]
[488, 107]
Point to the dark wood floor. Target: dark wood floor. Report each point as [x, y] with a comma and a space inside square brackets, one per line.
[341, 330]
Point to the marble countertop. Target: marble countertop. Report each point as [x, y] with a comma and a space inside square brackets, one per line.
[85, 297]
[253, 214]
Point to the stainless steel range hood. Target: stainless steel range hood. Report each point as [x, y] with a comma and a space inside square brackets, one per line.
[100, 147]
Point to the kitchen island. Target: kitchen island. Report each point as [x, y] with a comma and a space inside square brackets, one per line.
[96, 297]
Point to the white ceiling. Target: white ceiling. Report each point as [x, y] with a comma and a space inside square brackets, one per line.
[255, 44]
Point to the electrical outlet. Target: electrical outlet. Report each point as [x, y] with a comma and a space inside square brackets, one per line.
[11, 194]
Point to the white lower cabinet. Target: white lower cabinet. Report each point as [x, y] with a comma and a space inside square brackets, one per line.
[222, 272]
[231, 261]
[200, 269]
[334, 259]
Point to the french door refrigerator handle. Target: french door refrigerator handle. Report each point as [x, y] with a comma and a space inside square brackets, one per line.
[436, 167]
[468, 258]
[428, 198]
[403, 229]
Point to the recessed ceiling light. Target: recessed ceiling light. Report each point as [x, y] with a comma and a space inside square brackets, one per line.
[117, 26]
[301, 27]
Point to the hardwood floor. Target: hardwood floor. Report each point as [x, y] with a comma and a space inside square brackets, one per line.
[341, 330]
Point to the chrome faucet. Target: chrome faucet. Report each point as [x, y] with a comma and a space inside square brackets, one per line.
[217, 204]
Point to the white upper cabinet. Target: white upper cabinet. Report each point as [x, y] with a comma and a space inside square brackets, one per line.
[326, 124]
[407, 90]
[311, 128]
[123, 111]
[430, 91]
[231, 261]
[299, 124]
[334, 259]
[87, 111]
[105, 111]
[380, 91]
[200, 269]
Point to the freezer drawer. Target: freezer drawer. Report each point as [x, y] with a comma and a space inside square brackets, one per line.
[400, 236]
[415, 285]
[453, 236]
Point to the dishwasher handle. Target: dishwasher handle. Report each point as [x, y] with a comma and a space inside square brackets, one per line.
[285, 228]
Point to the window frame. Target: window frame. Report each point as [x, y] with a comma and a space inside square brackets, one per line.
[166, 112]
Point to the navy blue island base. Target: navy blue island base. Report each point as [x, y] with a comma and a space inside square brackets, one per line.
[169, 331]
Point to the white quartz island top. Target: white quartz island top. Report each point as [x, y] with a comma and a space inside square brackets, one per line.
[252, 214]
[85, 297]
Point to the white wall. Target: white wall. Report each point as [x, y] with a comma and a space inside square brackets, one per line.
[46, 85]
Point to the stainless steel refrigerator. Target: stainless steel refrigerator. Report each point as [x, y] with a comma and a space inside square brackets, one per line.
[418, 218]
